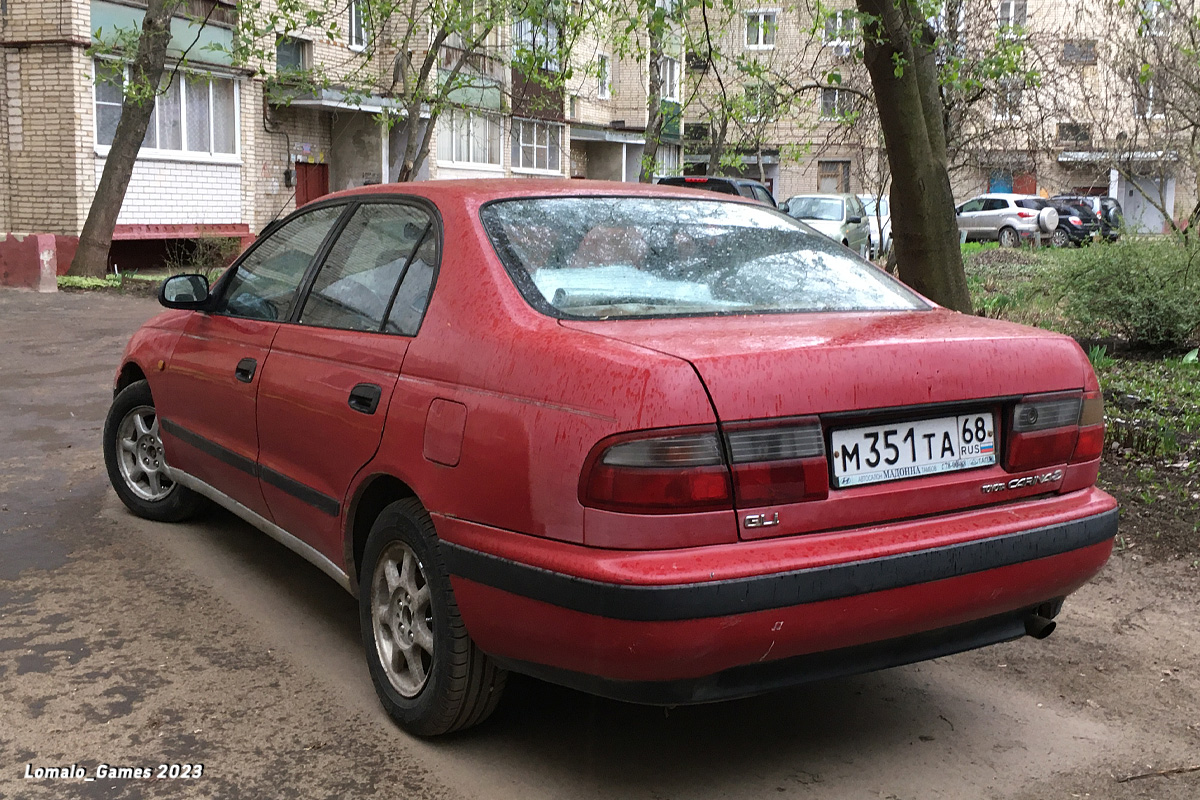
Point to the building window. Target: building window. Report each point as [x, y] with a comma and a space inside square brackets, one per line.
[1008, 101]
[760, 100]
[1073, 133]
[1148, 99]
[292, 55]
[604, 75]
[537, 41]
[760, 29]
[667, 159]
[194, 114]
[840, 31]
[668, 70]
[833, 177]
[1012, 15]
[1079, 51]
[1154, 19]
[836, 104]
[468, 137]
[357, 30]
[536, 145]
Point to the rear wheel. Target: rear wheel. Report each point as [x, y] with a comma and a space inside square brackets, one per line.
[1009, 238]
[1060, 238]
[429, 675]
[133, 456]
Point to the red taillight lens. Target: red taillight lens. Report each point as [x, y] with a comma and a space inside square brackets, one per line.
[1054, 429]
[653, 473]
[685, 470]
[1026, 214]
[1076, 221]
[1090, 445]
[778, 462]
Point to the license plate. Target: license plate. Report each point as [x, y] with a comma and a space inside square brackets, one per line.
[878, 453]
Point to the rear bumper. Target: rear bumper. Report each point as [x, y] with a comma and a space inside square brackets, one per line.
[673, 624]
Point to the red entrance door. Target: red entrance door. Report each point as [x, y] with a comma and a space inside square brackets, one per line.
[312, 181]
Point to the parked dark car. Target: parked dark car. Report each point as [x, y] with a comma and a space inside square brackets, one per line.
[1077, 225]
[1108, 209]
[714, 183]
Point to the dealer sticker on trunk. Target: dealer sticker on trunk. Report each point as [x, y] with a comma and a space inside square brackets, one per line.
[878, 453]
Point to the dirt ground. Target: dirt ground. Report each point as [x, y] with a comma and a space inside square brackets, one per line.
[135, 644]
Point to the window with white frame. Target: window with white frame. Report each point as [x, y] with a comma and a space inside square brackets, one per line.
[292, 55]
[536, 145]
[1154, 19]
[760, 29]
[668, 71]
[1012, 15]
[478, 28]
[538, 40]
[841, 27]
[195, 113]
[1008, 100]
[1148, 99]
[359, 26]
[667, 159]
[468, 137]
[604, 77]
[836, 104]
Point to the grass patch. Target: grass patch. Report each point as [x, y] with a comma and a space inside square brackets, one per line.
[78, 282]
[1152, 407]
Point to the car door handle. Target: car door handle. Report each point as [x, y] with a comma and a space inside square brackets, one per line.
[364, 398]
[245, 370]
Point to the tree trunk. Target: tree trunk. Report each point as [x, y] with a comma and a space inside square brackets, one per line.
[145, 70]
[654, 120]
[717, 138]
[924, 229]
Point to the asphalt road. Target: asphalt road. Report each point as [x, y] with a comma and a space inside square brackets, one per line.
[133, 644]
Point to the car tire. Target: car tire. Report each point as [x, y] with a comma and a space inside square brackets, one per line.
[133, 456]
[429, 675]
[1008, 237]
[1060, 238]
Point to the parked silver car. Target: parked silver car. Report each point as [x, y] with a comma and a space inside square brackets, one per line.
[841, 217]
[1009, 219]
[879, 216]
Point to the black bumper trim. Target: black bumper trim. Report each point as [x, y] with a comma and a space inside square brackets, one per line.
[768, 676]
[643, 603]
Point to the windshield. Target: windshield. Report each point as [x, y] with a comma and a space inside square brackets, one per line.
[871, 202]
[604, 257]
[828, 208]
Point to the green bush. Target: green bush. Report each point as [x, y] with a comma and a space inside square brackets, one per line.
[1146, 291]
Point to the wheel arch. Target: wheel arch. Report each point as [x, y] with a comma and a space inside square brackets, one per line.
[374, 494]
[131, 372]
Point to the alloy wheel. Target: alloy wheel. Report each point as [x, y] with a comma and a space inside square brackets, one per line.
[139, 454]
[402, 619]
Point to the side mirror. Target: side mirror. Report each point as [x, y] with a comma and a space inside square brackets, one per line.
[854, 220]
[184, 291]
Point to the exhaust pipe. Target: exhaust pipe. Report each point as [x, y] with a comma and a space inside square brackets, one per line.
[1038, 626]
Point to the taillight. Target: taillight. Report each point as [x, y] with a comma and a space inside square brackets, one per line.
[677, 471]
[1026, 214]
[1076, 221]
[782, 461]
[660, 472]
[1054, 429]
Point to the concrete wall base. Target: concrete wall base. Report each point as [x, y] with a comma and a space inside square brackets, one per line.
[35, 260]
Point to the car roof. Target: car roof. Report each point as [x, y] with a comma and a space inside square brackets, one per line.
[482, 190]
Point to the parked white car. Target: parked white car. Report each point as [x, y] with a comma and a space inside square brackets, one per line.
[879, 217]
[1009, 219]
[841, 217]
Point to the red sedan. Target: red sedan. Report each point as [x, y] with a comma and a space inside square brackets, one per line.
[658, 444]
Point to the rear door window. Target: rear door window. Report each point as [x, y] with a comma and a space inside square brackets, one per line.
[267, 280]
[994, 204]
[380, 268]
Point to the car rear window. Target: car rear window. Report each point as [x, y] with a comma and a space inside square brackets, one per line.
[725, 187]
[1033, 202]
[638, 257]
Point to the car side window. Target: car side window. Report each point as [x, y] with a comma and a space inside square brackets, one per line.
[970, 206]
[268, 278]
[383, 253]
[995, 204]
[762, 196]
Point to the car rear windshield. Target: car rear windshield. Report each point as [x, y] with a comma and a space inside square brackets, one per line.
[702, 183]
[1033, 202]
[605, 257]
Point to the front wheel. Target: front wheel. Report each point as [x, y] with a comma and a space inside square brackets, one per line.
[133, 456]
[1009, 238]
[429, 675]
